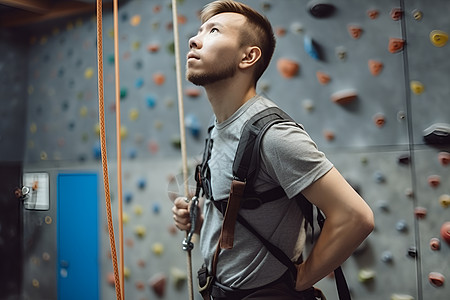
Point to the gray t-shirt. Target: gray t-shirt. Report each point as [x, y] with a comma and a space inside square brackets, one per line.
[288, 158]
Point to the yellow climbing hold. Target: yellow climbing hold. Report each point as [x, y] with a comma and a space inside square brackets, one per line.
[438, 38]
[125, 218]
[126, 272]
[89, 73]
[97, 128]
[365, 275]
[136, 45]
[44, 155]
[138, 210]
[134, 114]
[35, 283]
[111, 33]
[30, 90]
[135, 20]
[83, 111]
[158, 248]
[33, 128]
[123, 132]
[417, 87]
[140, 231]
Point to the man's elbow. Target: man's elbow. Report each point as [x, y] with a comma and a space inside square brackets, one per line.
[366, 221]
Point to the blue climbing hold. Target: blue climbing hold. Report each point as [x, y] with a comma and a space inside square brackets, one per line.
[151, 101]
[193, 125]
[128, 197]
[311, 47]
[142, 183]
[139, 83]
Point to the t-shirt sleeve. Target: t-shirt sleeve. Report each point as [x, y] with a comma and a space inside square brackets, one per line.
[291, 157]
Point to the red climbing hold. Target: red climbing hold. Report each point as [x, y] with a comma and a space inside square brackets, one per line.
[287, 67]
[396, 45]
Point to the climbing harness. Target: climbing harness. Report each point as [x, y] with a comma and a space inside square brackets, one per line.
[118, 278]
[242, 196]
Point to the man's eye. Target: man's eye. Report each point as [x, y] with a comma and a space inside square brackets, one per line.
[214, 30]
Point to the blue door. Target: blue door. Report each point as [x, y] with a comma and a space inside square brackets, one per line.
[77, 220]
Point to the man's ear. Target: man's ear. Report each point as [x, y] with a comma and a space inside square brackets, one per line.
[250, 56]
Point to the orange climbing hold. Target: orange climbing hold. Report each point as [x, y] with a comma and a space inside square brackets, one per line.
[375, 67]
[379, 120]
[355, 31]
[323, 77]
[396, 45]
[445, 231]
[159, 78]
[193, 92]
[436, 279]
[344, 97]
[288, 68]
[396, 13]
[373, 13]
[434, 180]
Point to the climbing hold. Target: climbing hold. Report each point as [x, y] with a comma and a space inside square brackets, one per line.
[134, 114]
[132, 153]
[156, 208]
[373, 13]
[404, 159]
[159, 78]
[344, 97]
[88, 73]
[417, 87]
[126, 272]
[176, 142]
[401, 297]
[136, 45]
[445, 232]
[83, 111]
[158, 284]
[297, 27]
[153, 146]
[110, 278]
[280, 31]
[387, 257]
[266, 6]
[444, 200]
[395, 45]
[288, 68]
[123, 132]
[135, 20]
[396, 13]
[153, 48]
[355, 31]
[138, 210]
[311, 47]
[323, 77]
[142, 183]
[193, 92]
[341, 52]
[366, 275]
[436, 279]
[444, 158]
[435, 244]
[417, 14]
[140, 285]
[434, 180]
[401, 226]
[328, 135]
[437, 134]
[193, 125]
[128, 197]
[33, 128]
[379, 119]
[151, 101]
[140, 231]
[319, 9]
[125, 218]
[158, 248]
[375, 67]
[420, 212]
[412, 252]
[178, 277]
[308, 105]
[383, 205]
[438, 38]
[139, 83]
[97, 152]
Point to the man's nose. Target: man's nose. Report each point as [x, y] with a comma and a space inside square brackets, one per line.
[194, 42]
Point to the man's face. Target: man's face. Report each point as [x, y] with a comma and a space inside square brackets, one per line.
[214, 52]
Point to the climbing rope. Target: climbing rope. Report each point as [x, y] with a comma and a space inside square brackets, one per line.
[182, 132]
[118, 280]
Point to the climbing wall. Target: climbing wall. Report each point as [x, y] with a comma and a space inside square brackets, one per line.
[367, 80]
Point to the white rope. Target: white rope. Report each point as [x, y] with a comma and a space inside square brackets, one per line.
[182, 131]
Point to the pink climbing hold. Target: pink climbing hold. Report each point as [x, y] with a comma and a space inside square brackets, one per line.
[344, 97]
[288, 68]
[375, 67]
[323, 77]
[445, 231]
[444, 158]
[434, 180]
[355, 31]
[396, 45]
[436, 279]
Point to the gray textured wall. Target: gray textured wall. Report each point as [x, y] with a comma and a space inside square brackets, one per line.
[63, 113]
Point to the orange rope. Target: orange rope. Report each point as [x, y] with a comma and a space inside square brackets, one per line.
[117, 282]
[182, 131]
[119, 151]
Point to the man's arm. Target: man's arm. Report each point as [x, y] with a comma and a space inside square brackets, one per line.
[349, 220]
[181, 216]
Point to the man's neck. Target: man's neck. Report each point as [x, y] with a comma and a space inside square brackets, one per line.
[226, 97]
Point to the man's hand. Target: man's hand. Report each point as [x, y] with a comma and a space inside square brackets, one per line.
[181, 215]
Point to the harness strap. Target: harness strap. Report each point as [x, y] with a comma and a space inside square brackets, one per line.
[229, 221]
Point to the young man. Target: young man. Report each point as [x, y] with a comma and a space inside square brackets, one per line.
[228, 55]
